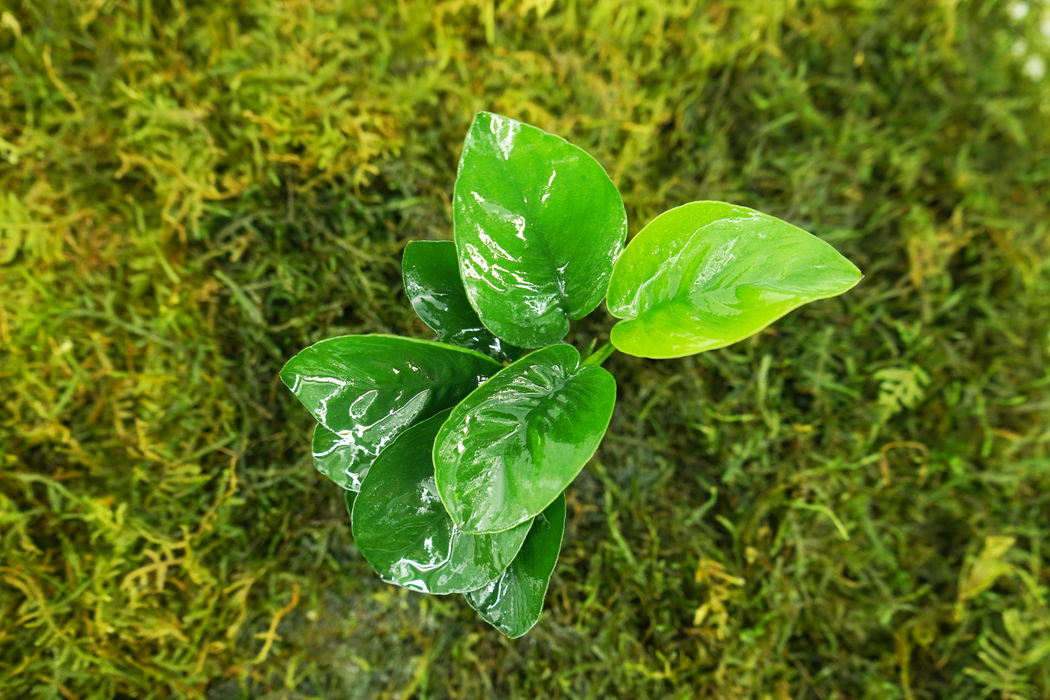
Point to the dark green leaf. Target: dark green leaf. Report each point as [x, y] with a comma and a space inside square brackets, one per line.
[516, 442]
[538, 225]
[431, 273]
[709, 274]
[366, 389]
[334, 457]
[351, 497]
[404, 532]
[513, 602]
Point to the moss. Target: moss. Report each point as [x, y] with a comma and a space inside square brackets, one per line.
[852, 504]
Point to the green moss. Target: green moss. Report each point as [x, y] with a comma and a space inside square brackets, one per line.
[194, 191]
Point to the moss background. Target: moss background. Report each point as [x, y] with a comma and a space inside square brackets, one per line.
[853, 504]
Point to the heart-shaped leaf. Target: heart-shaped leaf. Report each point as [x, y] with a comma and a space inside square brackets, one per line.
[431, 273]
[513, 602]
[709, 274]
[404, 532]
[366, 389]
[516, 442]
[538, 225]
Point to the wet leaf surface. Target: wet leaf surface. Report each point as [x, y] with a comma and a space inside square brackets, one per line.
[538, 225]
[433, 285]
[367, 389]
[401, 527]
[335, 458]
[512, 446]
[514, 602]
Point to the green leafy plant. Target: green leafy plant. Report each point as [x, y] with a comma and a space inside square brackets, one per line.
[456, 453]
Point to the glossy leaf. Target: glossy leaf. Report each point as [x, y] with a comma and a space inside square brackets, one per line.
[513, 602]
[709, 274]
[538, 225]
[515, 443]
[334, 457]
[404, 532]
[431, 273]
[366, 389]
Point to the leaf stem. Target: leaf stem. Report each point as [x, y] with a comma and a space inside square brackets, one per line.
[600, 355]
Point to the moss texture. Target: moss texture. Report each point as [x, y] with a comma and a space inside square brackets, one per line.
[853, 504]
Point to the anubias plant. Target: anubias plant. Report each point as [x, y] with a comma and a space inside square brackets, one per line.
[456, 453]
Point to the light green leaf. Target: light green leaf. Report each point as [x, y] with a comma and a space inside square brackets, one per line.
[709, 274]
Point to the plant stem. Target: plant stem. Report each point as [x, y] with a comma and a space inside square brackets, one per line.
[600, 355]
